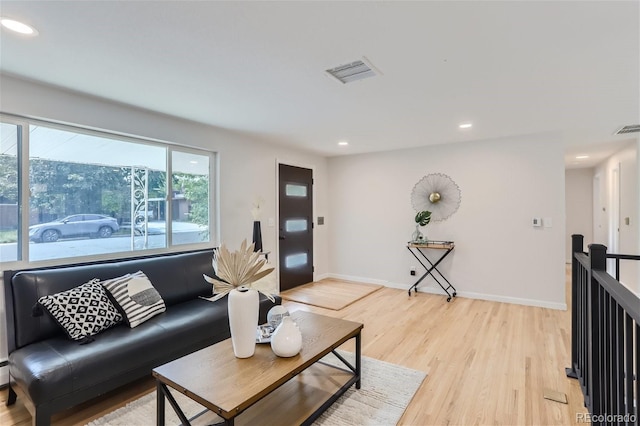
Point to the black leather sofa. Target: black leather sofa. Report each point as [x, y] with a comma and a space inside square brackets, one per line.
[52, 372]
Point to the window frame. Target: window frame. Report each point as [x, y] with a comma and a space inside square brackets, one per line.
[22, 152]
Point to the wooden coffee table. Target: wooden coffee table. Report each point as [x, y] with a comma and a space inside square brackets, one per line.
[265, 389]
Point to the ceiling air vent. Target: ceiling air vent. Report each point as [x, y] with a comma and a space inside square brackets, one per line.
[632, 128]
[353, 71]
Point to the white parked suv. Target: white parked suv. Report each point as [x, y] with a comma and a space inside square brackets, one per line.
[77, 225]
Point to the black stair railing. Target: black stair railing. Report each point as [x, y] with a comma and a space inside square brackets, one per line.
[605, 336]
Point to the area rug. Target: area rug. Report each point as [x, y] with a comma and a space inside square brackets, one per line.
[329, 294]
[383, 397]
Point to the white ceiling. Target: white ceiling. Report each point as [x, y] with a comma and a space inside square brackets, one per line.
[512, 68]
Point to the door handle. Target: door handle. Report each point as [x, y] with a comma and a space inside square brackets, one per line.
[281, 237]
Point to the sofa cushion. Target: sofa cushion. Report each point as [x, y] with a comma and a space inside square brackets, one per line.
[82, 311]
[136, 297]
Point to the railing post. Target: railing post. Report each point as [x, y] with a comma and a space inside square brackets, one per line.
[598, 261]
[598, 256]
[577, 244]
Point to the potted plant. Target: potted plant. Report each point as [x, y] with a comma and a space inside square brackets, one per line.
[422, 219]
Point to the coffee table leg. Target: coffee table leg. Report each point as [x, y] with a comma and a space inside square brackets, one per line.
[358, 360]
[159, 405]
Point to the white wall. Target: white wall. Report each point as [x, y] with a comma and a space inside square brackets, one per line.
[637, 145]
[626, 161]
[498, 254]
[579, 207]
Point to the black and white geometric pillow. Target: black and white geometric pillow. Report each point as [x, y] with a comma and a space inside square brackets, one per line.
[137, 297]
[83, 311]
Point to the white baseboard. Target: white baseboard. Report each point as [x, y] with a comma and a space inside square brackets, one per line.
[515, 300]
[467, 294]
[321, 277]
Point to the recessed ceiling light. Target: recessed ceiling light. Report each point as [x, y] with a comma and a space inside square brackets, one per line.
[581, 157]
[343, 143]
[465, 125]
[18, 27]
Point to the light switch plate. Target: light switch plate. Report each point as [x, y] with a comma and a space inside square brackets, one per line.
[547, 222]
[537, 221]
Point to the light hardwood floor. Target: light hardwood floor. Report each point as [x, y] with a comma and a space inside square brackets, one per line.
[487, 362]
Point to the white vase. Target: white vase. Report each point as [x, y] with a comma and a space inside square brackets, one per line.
[418, 236]
[286, 341]
[243, 306]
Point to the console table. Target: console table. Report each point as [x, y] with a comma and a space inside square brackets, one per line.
[418, 251]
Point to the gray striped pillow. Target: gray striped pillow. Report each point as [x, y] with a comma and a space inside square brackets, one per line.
[136, 296]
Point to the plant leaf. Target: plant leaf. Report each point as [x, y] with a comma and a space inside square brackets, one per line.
[239, 268]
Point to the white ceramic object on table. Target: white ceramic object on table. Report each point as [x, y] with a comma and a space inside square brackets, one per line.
[286, 341]
[243, 306]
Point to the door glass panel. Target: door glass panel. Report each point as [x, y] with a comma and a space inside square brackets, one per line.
[295, 260]
[9, 217]
[296, 225]
[295, 190]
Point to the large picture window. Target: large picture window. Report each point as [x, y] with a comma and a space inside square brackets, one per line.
[95, 194]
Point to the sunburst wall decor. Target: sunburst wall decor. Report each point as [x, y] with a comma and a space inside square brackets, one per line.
[437, 193]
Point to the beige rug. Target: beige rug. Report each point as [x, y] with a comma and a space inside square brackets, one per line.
[386, 391]
[329, 293]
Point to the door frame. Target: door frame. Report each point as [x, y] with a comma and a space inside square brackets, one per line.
[614, 217]
[313, 213]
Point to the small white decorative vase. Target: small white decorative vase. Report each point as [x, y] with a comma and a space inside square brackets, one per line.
[418, 236]
[243, 306]
[286, 341]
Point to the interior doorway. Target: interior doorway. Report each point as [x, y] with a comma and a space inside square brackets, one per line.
[600, 220]
[295, 225]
